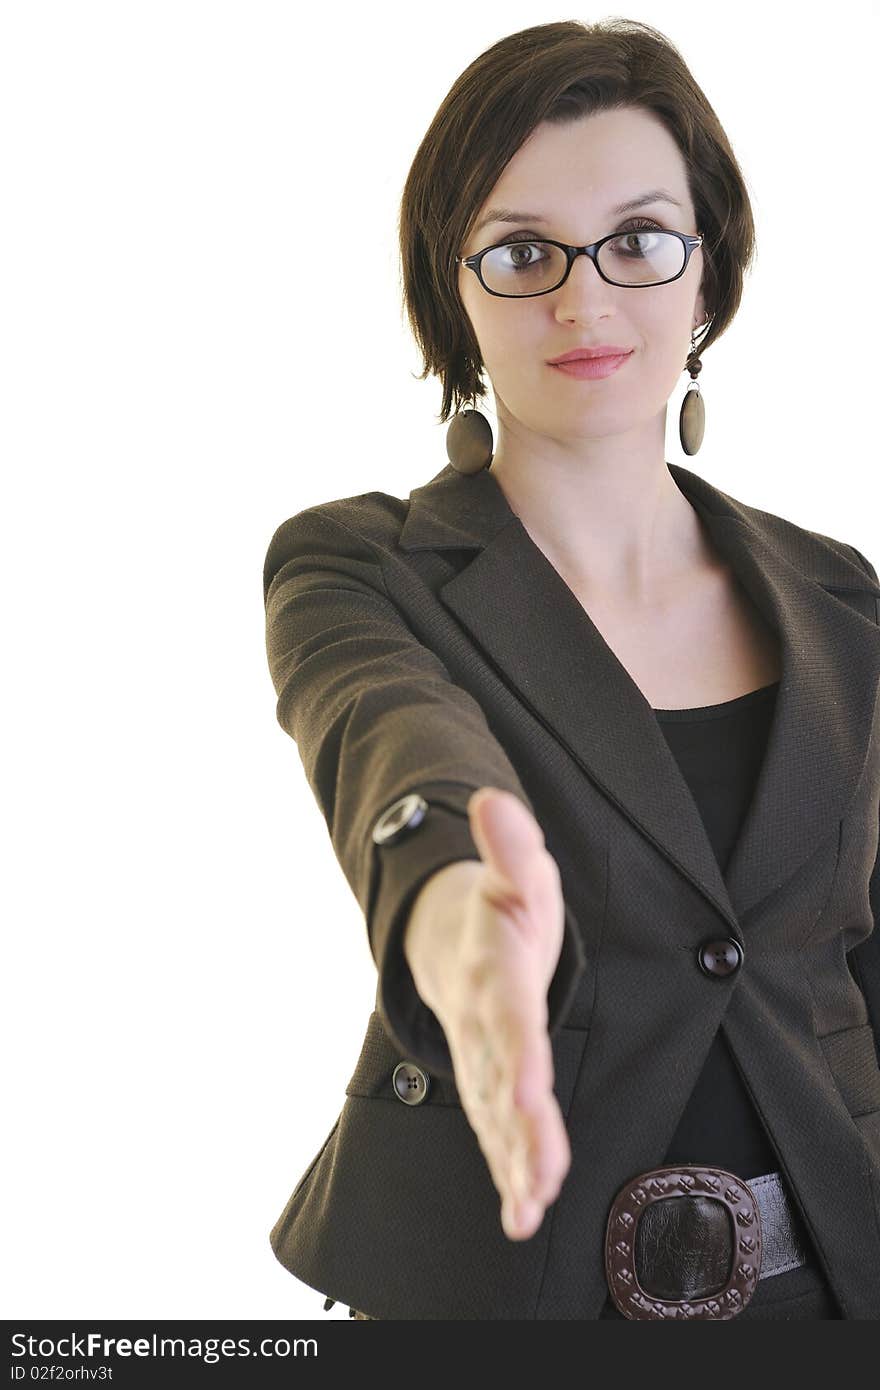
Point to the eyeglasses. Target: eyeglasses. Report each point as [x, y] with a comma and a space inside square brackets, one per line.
[635, 260]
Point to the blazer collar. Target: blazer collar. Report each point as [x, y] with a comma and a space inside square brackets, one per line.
[520, 611]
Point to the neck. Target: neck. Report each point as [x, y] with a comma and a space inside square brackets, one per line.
[610, 520]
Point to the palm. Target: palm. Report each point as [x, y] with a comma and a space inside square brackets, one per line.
[500, 1049]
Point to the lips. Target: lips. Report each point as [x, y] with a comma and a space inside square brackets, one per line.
[591, 368]
[603, 350]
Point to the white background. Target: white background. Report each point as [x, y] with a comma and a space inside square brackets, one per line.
[201, 335]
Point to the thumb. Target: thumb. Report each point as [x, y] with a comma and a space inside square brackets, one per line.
[508, 838]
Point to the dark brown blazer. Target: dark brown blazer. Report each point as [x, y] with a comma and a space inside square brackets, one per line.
[428, 645]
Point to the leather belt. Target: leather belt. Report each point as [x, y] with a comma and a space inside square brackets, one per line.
[693, 1241]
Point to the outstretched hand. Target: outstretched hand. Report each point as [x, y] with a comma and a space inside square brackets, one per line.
[490, 996]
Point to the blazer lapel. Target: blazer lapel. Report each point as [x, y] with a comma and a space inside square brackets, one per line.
[520, 611]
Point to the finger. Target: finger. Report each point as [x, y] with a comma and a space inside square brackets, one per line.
[486, 1100]
[539, 1149]
[533, 1068]
[549, 1154]
[524, 1198]
[509, 1138]
[505, 1074]
[521, 1220]
[495, 1151]
[507, 836]
[522, 1217]
[513, 1064]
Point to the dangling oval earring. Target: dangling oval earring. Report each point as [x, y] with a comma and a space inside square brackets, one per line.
[469, 442]
[692, 419]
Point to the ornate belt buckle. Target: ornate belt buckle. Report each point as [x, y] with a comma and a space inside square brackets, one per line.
[641, 1257]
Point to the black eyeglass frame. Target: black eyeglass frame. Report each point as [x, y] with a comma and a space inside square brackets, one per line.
[572, 252]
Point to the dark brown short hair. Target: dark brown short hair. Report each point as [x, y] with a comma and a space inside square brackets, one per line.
[555, 72]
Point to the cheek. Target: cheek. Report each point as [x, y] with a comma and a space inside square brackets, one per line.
[510, 341]
[486, 319]
[664, 335]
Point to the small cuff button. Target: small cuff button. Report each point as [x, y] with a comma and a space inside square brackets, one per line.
[410, 1083]
[398, 818]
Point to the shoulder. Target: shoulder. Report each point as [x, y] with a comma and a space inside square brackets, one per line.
[376, 516]
[789, 536]
[815, 552]
[361, 529]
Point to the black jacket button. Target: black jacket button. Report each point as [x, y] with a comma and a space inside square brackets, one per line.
[398, 818]
[720, 957]
[410, 1083]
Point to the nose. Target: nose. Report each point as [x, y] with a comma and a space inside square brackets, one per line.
[583, 285]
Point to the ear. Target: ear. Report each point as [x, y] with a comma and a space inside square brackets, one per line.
[699, 312]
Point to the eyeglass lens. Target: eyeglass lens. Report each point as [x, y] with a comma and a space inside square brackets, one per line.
[633, 258]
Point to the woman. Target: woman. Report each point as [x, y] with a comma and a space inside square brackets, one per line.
[629, 988]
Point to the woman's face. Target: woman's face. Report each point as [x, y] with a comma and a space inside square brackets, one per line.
[572, 177]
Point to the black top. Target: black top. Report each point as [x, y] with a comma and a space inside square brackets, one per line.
[720, 749]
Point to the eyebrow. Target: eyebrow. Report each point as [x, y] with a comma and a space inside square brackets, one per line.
[655, 195]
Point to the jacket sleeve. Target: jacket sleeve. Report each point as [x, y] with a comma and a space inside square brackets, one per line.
[375, 716]
[864, 959]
